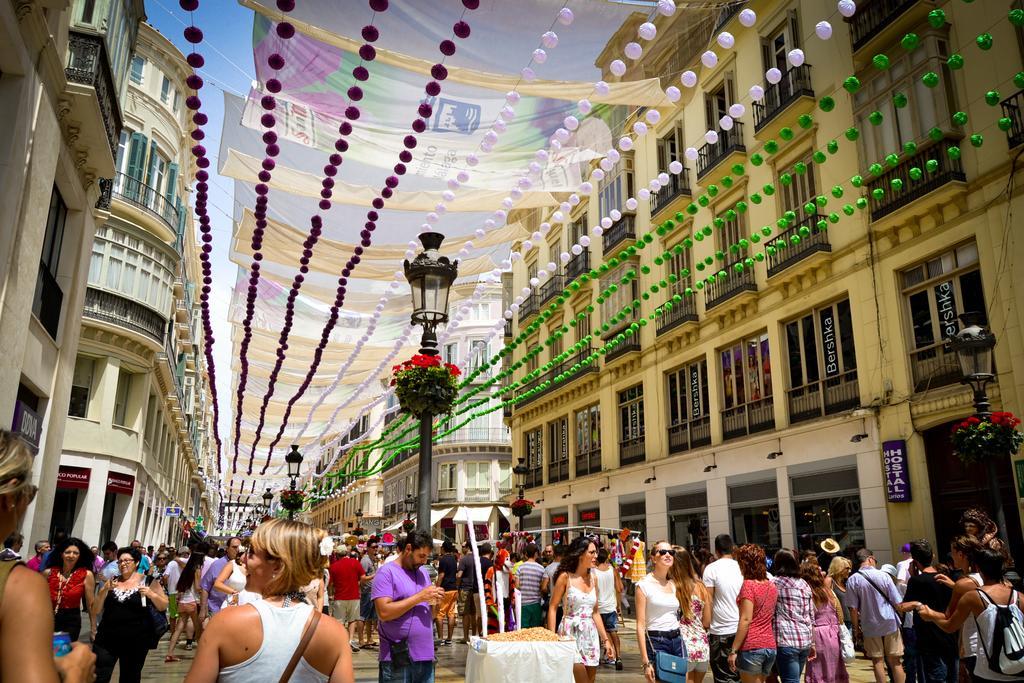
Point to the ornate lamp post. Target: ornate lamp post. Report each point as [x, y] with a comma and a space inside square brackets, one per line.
[359, 518]
[268, 497]
[430, 277]
[520, 471]
[410, 505]
[294, 463]
[973, 346]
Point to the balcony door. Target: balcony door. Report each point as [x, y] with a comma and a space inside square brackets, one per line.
[777, 44]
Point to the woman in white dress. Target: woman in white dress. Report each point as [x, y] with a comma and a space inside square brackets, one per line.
[231, 580]
[576, 591]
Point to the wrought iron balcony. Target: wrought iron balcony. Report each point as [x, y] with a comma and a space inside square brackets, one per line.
[728, 12]
[1013, 109]
[138, 193]
[789, 251]
[824, 397]
[631, 344]
[577, 265]
[123, 312]
[534, 477]
[557, 370]
[678, 184]
[89, 65]
[632, 451]
[683, 312]
[948, 170]
[934, 366]
[478, 434]
[552, 288]
[529, 307]
[795, 83]
[685, 436]
[873, 16]
[47, 301]
[710, 155]
[721, 290]
[749, 418]
[588, 462]
[621, 230]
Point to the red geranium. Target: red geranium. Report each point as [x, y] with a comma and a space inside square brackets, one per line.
[424, 385]
[975, 439]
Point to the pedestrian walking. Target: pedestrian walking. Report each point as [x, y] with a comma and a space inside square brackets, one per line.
[575, 589]
[468, 607]
[695, 614]
[12, 546]
[125, 633]
[723, 580]
[42, 549]
[346, 572]
[657, 611]
[187, 588]
[71, 582]
[282, 634]
[838, 572]
[872, 599]
[963, 550]
[447, 571]
[26, 618]
[530, 575]
[609, 586]
[367, 611]
[403, 595]
[827, 665]
[214, 583]
[937, 651]
[794, 617]
[753, 650]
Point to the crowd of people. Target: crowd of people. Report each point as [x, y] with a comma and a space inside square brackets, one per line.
[286, 599]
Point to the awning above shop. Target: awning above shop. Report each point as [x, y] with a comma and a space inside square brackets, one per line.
[435, 517]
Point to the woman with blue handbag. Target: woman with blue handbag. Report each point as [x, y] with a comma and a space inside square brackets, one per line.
[657, 620]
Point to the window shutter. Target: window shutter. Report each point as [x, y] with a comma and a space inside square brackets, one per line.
[152, 163]
[172, 183]
[766, 54]
[794, 29]
[181, 224]
[136, 160]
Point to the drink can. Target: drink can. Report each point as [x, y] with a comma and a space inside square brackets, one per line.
[61, 643]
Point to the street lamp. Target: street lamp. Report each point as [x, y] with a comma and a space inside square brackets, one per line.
[430, 277]
[410, 506]
[973, 346]
[268, 497]
[294, 462]
[520, 471]
[359, 518]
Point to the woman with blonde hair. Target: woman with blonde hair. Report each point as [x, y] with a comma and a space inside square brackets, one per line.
[839, 571]
[282, 632]
[695, 611]
[26, 614]
[827, 666]
[657, 611]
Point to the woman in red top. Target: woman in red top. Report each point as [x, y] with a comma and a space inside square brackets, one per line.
[69, 573]
[753, 652]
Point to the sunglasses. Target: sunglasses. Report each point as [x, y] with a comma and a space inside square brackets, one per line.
[663, 551]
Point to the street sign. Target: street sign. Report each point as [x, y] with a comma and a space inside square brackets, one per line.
[172, 511]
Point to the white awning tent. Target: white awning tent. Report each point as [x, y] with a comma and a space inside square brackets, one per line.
[435, 517]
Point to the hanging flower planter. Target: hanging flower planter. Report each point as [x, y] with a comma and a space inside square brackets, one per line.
[292, 500]
[424, 385]
[522, 507]
[975, 440]
[408, 525]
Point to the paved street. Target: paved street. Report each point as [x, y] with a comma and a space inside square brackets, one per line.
[451, 666]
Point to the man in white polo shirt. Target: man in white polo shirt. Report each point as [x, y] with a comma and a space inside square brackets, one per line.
[723, 579]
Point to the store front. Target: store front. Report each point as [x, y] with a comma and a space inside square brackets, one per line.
[558, 520]
[688, 519]
[633, 516]
[68, 498]
[754, 514]
[827, 507]
[588, 515]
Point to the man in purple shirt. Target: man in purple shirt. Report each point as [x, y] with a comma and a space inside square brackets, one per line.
[211, 598]
[874, 602]
[403, 595]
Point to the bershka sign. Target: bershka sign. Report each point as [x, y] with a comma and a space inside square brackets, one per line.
[73, 477]
[829, 349]
[120, 483]
[897, 471]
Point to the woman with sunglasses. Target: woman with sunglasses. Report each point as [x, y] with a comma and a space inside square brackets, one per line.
[126, 629]
[69, 573]
[26, 617]
[657, 611]
[576, 592]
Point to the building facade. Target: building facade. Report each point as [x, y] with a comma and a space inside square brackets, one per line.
[62, 75]
[803, 391]
[138, 433]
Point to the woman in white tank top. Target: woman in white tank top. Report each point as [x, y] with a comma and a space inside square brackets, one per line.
[256, 642]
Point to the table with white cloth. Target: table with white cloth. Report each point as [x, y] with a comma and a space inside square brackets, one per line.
[520, 662]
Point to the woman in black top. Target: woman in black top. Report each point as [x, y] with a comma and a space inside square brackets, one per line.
[126, 629]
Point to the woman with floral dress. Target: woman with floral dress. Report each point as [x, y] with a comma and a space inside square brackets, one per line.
[576, 591]
[695, 613]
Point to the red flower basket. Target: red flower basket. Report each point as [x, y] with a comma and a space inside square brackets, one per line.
[292, 500]
[424, 384]
[976, 439]
[408, 525]
[522, 507]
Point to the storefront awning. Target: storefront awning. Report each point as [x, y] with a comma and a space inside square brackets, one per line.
[435, 517]
[479, 515]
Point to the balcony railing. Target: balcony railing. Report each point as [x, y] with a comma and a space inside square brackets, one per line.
[727, 13]
[88, 64]
[623, 229]
[873, 16]
[530, 306]
[686, 436]
[478, 434]
[1013, 109]
[534, 477]
[138, 193]
[749, 418]
[788, 252]
[588, 462]
[47, 301]
[795, 83]
[552, 288]
[577, 265]
[934, 366]
[121, 311]
[710, 155]
[555, 372]
[630, 345]
[678, 184]
[632, 451]
[721, 290]
[558, 470]
[683, 312]
[948, 170]
[824, 397]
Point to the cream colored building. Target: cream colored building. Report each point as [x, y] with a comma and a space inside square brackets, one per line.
[760, 405]
[62, 78]
[138, 437]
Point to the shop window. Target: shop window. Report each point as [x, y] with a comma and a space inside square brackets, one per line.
[633, 516]
[588, 440]
[688, 520]
[121, 396]
[534, 445]
[747, 387]
[138, 64]
[822, 362]
[754, 511]
[827, 507]
[935, 292]
[81, 387]
[558, 450]
[688, 412]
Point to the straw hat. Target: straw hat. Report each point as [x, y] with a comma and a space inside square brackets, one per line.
[830, 546]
